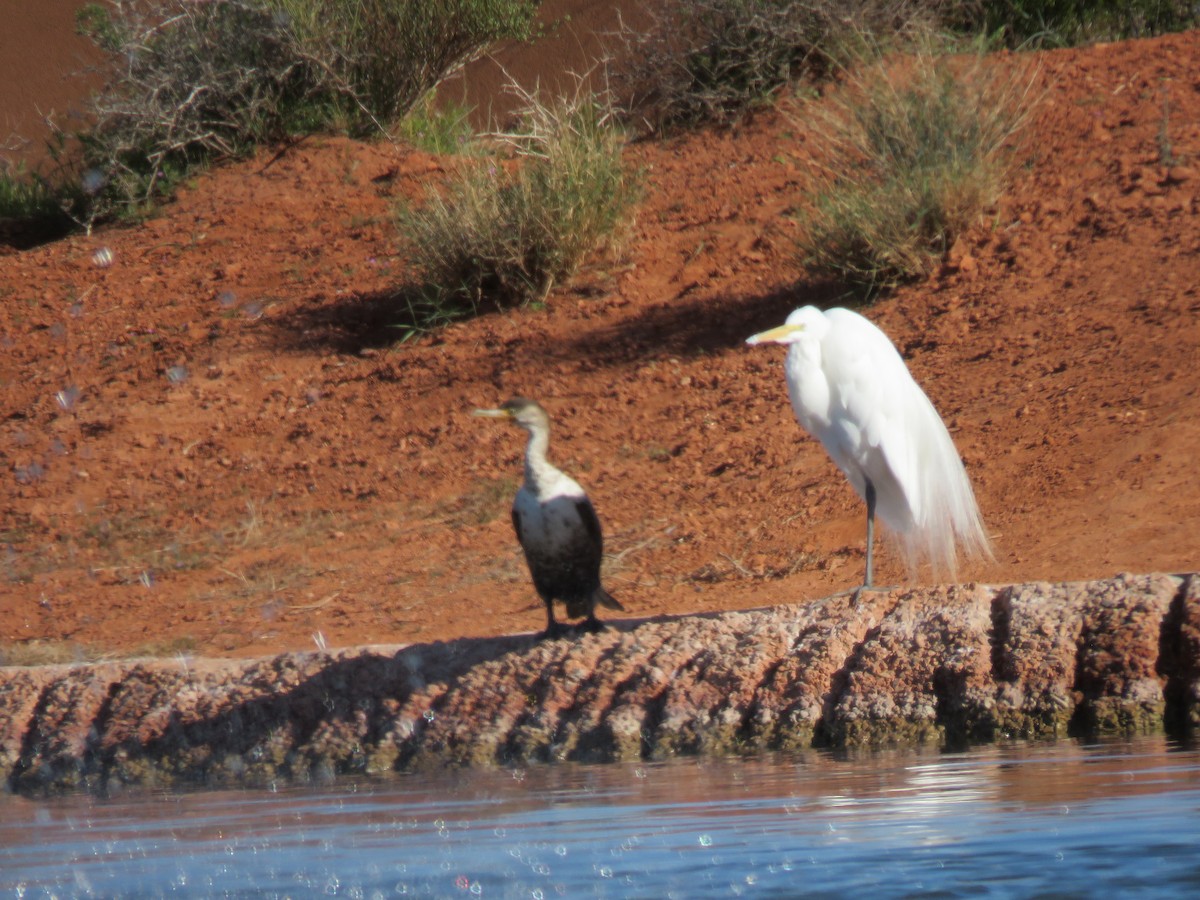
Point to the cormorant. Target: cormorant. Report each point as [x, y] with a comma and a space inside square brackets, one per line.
[556, 525]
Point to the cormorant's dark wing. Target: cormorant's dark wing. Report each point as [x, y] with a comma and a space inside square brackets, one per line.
[516, 520]
[587, 515]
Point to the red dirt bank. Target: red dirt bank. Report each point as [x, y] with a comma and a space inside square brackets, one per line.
[213, 447]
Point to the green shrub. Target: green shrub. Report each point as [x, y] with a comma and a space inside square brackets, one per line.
[713, 60]
[385, 55]
[914, 149]
[703, 61]
[509, 231]
[193, 82]
[189, 82]
[1060, 23]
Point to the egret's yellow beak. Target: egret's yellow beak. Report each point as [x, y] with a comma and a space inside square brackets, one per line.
[493, 413]
[778, 335]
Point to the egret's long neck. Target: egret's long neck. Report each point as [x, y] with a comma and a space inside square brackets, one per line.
[538, 471]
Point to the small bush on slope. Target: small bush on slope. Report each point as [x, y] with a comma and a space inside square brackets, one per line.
[708, 61]
[1064, 23]
[385, 55]
[509, 233]
[193, 82]
[914, 148]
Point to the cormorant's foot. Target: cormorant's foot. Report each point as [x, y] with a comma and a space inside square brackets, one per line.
[554, 631]
[592, 625]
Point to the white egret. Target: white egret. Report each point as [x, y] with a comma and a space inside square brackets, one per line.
[556, 526]
[851, 390]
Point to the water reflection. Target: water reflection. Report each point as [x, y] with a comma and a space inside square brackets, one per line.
[1067, 819]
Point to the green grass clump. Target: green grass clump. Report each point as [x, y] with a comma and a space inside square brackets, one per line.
[25, 196]
[444, 129]
[508, 231]
[32, 208]
[1063, 23]
[915, 148]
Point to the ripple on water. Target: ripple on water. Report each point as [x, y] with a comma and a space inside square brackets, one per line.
[998, 821]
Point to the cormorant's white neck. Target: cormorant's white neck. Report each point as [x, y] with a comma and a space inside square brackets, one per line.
[539, 473]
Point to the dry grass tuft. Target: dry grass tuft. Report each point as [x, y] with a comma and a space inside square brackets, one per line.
[914, 149]
[507, 231]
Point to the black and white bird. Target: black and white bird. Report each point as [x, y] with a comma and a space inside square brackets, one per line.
[556, 525]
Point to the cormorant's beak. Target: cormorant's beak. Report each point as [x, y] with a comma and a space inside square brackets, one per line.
[493, 413]
[779, 335]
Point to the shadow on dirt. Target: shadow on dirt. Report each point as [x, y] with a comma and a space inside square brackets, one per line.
[26, 234]
[688, 328]
[375, 321]
[349, 324]
[370, 321]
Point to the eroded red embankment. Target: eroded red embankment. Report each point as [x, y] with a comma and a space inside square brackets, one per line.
[951, 665]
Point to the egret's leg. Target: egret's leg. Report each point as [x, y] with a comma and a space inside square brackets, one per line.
[869, 581]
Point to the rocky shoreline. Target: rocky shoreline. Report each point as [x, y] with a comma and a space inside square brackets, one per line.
[950, 666]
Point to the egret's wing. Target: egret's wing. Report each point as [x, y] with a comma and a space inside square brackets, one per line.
[871, 400]
[903, 445]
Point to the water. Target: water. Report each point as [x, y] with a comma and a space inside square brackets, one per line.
[1062, 820]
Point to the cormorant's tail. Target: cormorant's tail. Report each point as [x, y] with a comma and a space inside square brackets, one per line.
[604, 598]
[585, 606]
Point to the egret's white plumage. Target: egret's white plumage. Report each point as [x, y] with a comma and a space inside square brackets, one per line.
[851, 390]
[556, 525]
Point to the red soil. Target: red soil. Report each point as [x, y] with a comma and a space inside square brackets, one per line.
[213, 445]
